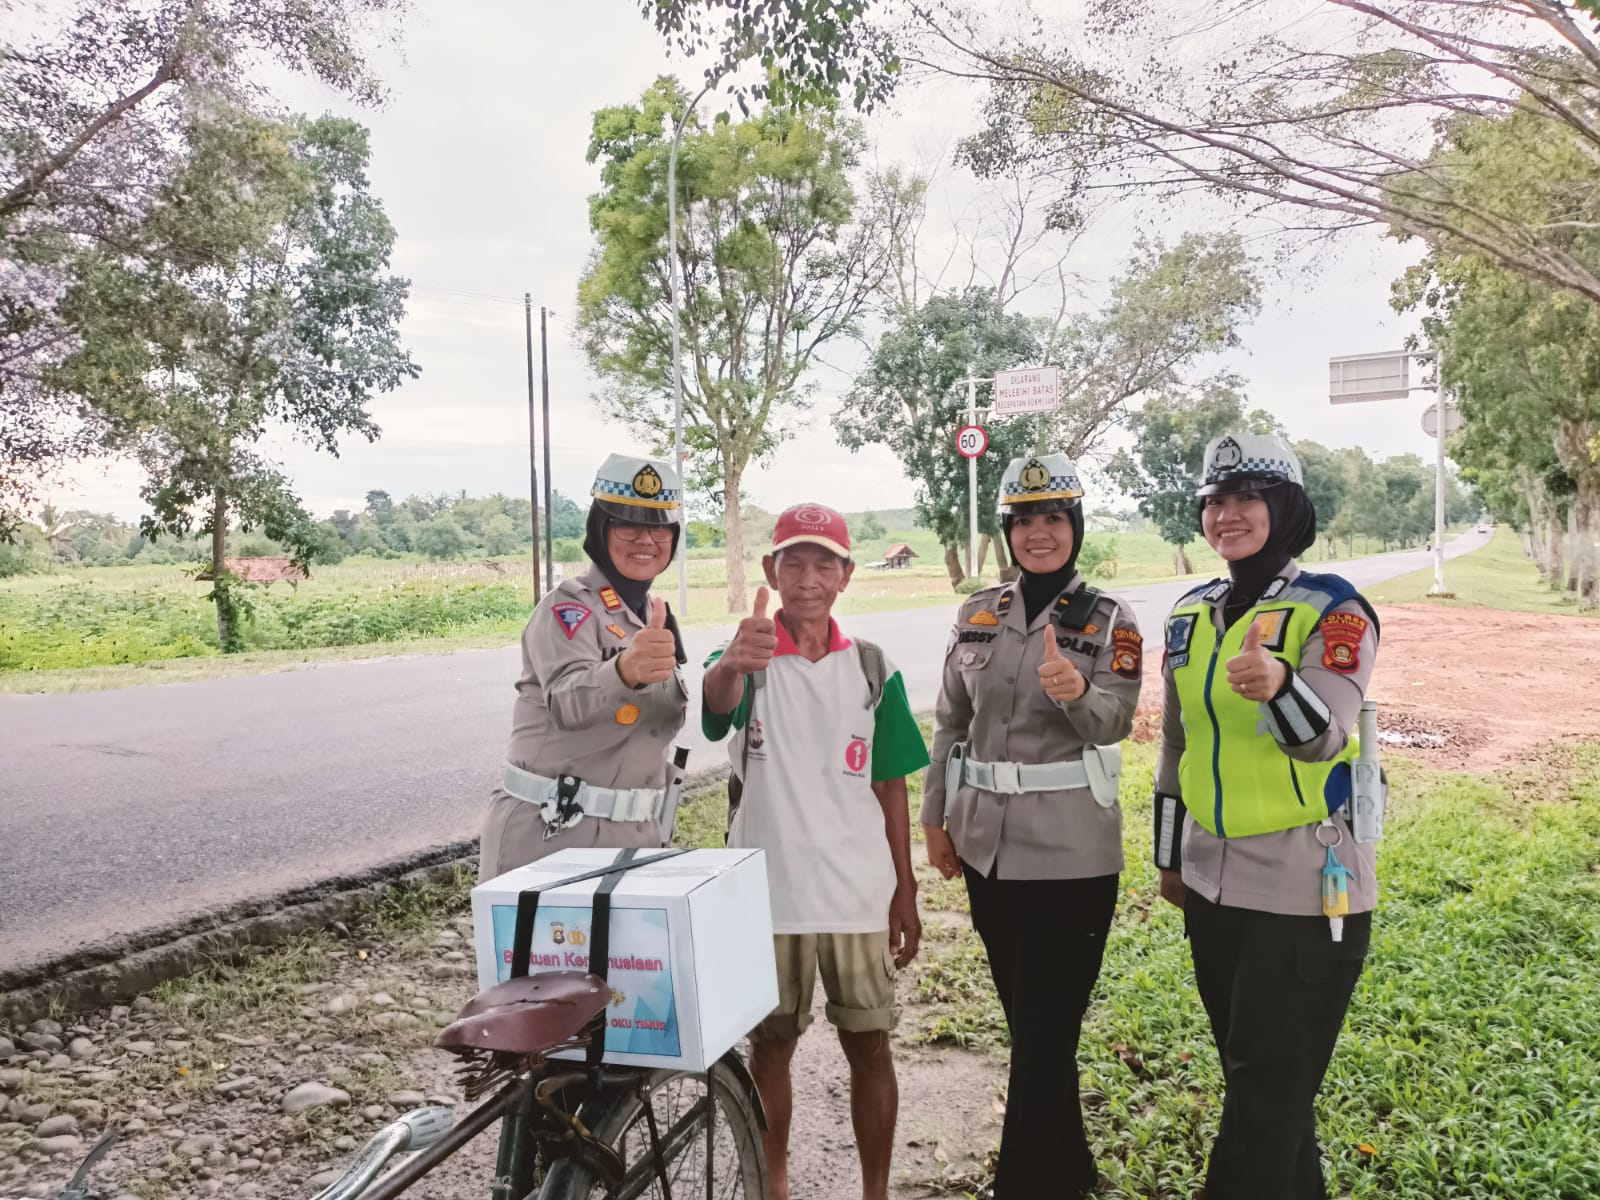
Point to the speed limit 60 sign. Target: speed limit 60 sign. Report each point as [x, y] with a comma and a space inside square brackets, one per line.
[971, 441]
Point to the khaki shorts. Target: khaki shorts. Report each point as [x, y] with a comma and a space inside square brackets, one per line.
[857, 976]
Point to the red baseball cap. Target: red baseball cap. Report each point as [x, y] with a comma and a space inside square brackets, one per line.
[813, 523]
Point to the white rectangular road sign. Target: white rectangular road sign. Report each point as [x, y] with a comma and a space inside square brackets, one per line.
[1353, 378]
[1027, 390]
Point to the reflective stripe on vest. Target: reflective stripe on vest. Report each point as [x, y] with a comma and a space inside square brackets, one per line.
[1236, 780]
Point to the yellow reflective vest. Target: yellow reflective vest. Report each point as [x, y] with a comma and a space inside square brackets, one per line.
[1236, 779]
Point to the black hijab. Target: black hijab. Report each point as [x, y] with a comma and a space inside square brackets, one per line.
[1039, 591]
[1293, 528]
[633, 592]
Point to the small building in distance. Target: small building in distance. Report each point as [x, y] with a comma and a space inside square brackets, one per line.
[899, 555]
[260, 570]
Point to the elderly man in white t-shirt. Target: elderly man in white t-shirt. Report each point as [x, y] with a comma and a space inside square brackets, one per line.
[825, 739]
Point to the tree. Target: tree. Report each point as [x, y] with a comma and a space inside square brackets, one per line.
[908, 398]
[440, 537]
[289, 318]
[1331, 119]
[1523, 359]
[1170, 307]
[91, 129]
[500, 536]
[868, 528]
[1163, 471]
[772, 271]
[809, 50]
[54, 525]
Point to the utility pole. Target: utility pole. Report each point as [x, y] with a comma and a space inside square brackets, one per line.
[533, 452]
[549, 509]
[972, 382]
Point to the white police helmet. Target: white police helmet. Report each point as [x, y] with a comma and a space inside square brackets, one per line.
[1248, 462]
[641, 491]
[1039, 483]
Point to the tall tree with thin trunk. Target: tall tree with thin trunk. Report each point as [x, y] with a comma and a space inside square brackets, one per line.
[280, 313]
[94, 98]
[775, 266]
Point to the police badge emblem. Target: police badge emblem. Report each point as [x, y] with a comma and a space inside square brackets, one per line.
[646, 483]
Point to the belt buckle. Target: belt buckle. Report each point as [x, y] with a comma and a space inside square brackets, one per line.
[560, 808]
[1007, 778]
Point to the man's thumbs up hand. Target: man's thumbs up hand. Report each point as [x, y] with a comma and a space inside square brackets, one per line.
[1255, 673]
[756, 639]
[652, 655]
[1061, 681]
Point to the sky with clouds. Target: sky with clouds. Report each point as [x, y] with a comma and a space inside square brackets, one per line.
[479, 160]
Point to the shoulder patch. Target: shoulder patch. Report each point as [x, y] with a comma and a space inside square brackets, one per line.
[572, 615]
[609, 597]
[1127, 652]
[1341, 641]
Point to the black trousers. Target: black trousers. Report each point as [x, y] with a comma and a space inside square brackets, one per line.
[1276, 989]
[1045, 939]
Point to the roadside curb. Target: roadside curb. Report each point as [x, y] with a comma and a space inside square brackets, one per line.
[118, 969]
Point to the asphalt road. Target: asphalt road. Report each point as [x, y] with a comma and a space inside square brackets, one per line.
[124, 810]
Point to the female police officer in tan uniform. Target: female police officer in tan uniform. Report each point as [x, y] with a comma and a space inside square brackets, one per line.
[1265, 673]
[601, 694]
[1040, 680]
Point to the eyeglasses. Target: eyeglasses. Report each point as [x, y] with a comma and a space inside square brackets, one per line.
[642, 533]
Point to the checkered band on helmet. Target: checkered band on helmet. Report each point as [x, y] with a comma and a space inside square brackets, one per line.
[1241, 462]
[642, 491]
[1039, 483]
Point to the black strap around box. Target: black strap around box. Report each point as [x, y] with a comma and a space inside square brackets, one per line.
[599, 923]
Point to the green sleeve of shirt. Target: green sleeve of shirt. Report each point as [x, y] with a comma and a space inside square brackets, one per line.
[716, 725]
[897, 746]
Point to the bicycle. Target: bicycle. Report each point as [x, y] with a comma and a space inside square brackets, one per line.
[635, 1133]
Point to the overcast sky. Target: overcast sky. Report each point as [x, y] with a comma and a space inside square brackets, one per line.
[479, 160]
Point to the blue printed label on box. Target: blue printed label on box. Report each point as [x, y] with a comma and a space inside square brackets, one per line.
[642, 1018]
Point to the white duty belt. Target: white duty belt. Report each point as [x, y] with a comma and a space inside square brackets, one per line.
[566, 799]
[1098, 770]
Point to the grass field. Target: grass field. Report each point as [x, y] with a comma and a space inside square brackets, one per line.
[89, 628]
[1498, 576]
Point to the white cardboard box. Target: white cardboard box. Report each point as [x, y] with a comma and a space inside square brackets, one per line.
[692, 967]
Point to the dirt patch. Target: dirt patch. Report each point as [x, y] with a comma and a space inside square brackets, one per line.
[1466, 689]
[1472, 689]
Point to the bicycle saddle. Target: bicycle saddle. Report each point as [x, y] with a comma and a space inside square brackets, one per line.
[528, 1015]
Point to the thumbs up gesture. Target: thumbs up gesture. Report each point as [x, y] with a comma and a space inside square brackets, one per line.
[1254, 672]
[652, 655]
[755, 641]
[1061, 681]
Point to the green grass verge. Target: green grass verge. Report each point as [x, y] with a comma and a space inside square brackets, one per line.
[1499, 575]
[1470, 1063]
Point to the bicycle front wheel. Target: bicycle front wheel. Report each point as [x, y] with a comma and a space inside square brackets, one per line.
[730, 1157]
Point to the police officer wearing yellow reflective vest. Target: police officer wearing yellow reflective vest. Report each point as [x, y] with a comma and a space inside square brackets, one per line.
[602, 693]
[1041, 679]
[1265, 674]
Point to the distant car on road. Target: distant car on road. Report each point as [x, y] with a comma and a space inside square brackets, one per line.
[1485, 527]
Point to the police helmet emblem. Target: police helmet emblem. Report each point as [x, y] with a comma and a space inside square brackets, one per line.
[1227, 456]
[647, 483]
[1034, 477]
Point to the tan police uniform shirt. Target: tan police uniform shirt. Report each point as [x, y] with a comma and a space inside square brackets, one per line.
[1279, 872]
[991, 698]
[574, 715]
